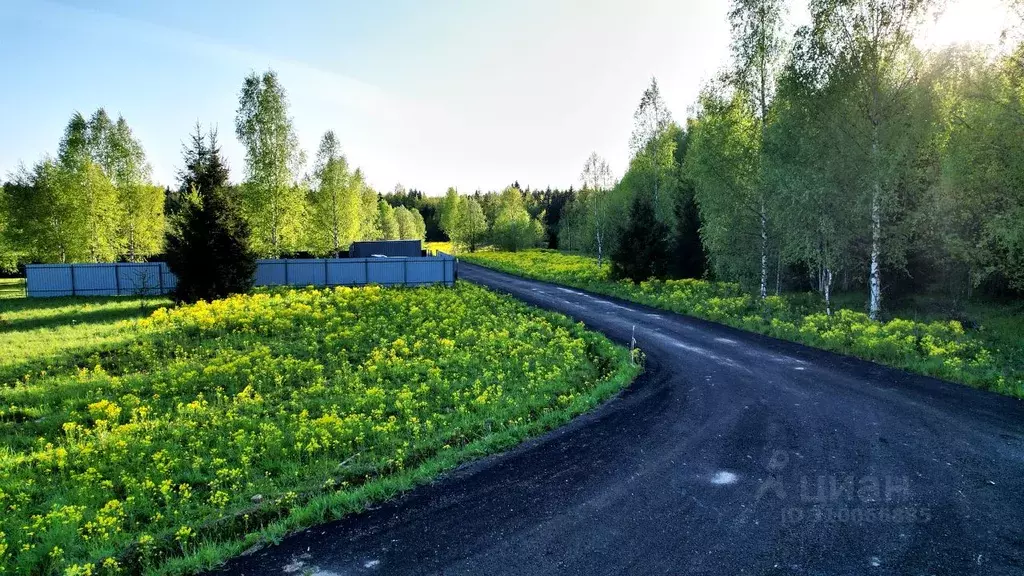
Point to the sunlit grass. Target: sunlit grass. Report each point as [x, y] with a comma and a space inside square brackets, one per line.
[12, 288]
[170, 442]
[35, 331]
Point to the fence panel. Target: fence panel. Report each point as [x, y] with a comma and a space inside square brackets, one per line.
[386, 271]
[146, 279]
[151, 278]
[168, 281]
[48, 280]
[94, 279]
[347, 272]
[306, 272]
[270, 273]
[419, 272]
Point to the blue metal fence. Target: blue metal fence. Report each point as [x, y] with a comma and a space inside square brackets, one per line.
[152, 278]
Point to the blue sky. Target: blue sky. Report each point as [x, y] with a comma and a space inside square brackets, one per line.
[473, 94]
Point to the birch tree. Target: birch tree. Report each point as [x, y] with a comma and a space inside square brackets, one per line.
[141, 204]
[757, 47]
[474, 224]
[387, 223]
[270, 200]
[723, 161]
[513, 228]
[419, 225]
[813, 180]
[369, 227]
[981, 197]
[597, 181]
[334, 200]
[651, 153]
[866, 46]
[406, 224]
[450, 216]
[46, 219]
[82, 182]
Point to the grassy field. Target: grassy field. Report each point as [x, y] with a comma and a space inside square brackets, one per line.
[168, 443]
[12, 288]
[989, 355]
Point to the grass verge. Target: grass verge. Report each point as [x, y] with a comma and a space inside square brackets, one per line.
[167, 444]
[986, 357]
[12, 288]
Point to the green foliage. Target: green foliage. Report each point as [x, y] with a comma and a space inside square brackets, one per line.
[641, 251]
[513, 228]
[406, 224]
[271, 199]
[450, 214]
[93, 203]
[141, 204]
[208, 249]
[936, 348]
[219, 424]
[334, 201]
[981, 197]
[463, 220]
[369, 220]
[208, 243]
[387, 223]
[724, 162]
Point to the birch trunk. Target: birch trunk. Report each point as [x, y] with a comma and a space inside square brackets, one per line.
[828, 291]
[764, 251]
[875, 279]
[334, 220]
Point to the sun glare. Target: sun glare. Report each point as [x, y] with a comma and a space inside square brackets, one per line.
[967, 22]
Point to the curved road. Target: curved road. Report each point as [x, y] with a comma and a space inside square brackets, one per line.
[734, 454]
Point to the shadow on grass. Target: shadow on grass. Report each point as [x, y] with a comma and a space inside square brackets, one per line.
[32, 313]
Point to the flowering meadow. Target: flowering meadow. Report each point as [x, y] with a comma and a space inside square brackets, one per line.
[937, 348]
[200, 431]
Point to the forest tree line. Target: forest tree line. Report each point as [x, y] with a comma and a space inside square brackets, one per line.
[842, 158]
[95, 201]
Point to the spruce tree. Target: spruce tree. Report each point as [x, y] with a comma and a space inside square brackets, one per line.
[686, 253]
[641, 251]
[208, 245]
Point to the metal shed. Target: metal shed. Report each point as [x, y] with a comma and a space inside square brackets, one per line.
[389, 248]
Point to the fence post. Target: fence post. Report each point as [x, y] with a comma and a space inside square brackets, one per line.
[117, 279]
[366, 271]
[326, 282]
[286, 272]
[160, 276]
[405, 272]
[72, 267]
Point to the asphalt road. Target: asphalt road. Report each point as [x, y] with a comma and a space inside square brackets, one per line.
[734, 454]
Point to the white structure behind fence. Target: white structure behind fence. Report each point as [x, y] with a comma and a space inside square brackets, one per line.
[151, 278]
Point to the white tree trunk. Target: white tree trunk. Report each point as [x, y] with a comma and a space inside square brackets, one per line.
[334, 221]
[828, 291]
[764, 251]
[597, 230]
[875, 279]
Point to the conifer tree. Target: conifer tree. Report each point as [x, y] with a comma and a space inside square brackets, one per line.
[641, 251]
